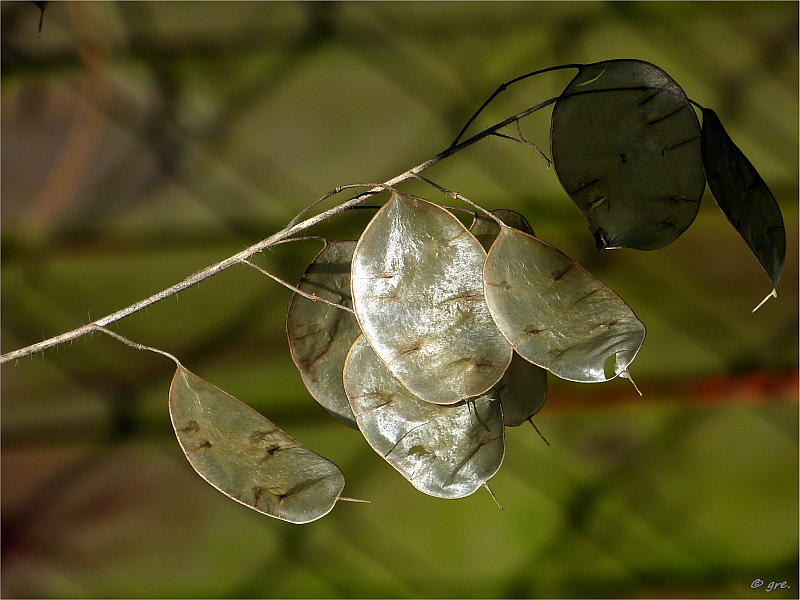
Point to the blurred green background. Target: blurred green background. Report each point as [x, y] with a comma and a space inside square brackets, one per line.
[143, 141]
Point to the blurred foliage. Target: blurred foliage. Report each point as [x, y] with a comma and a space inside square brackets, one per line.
[143, 141]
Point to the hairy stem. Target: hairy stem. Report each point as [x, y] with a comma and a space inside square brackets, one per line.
[132, 344]
[457, 196]
[292, 228]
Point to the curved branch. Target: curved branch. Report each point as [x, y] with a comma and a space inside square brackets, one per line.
[504, 86]
[292, 228]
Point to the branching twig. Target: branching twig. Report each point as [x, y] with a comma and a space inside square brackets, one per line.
[504, 86]
[333, 192]
[294, 226]
[457, 196]
[296, 290]
[521, 140]
[132, 344]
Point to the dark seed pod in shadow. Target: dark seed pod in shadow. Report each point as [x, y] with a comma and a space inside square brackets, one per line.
[626, 147]
[743, 196]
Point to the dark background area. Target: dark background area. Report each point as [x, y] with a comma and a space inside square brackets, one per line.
[144, 141]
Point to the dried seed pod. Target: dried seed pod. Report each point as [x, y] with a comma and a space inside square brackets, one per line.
[626, 147]
[444, 451]
[246, 457]
[320, 335]
[555, 313]
[417, 288]
[743, 196]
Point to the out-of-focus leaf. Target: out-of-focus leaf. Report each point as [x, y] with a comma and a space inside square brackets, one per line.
[555, 313]
[743, 196]
[486, 229]
[247, 457]
[629, 155]
[417, 290]
[444, 451]
[522, 391]
[320, 335]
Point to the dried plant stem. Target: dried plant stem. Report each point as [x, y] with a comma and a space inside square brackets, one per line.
[294, 226]
[457, 196]
[521, 140]
[296, 290]
[504, 86]
[133, 344]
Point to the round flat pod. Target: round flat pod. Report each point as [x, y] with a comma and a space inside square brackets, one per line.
[444, 451]
[320, 335]
[556, 314]
[626, 147]
[417, 288]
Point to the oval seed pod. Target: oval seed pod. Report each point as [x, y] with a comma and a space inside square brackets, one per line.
[248, 458]
[444, 451]
[320, 335]
[523, 388]
[555, 313]
[417, 287]
[743, 196]
[626, 148]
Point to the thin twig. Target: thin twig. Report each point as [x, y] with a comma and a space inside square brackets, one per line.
[457, 196]
[504, 86]
[296, 290]
[133, 344]
[333, 192]
[305, 238]
[533, 146]
[521, 140]
[292, 228]
[366, 207]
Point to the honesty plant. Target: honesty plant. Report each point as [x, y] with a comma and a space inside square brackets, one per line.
[430, 337]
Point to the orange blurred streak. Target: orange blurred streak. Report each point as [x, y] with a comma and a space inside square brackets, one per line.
[753, 388]
[64, 180]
